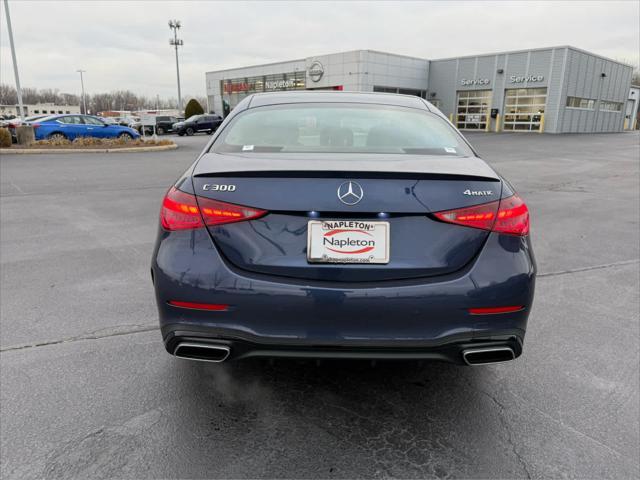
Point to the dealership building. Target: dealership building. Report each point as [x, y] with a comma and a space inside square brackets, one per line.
[555, 90]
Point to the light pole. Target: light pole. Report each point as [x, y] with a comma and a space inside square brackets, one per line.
[176, 42]
[84, 100]
[15, 61]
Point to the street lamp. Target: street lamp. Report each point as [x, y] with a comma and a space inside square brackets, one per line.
[22, 113]
[84, 100]
[176, 42]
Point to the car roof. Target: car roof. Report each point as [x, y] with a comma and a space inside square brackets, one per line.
[329, 96]
[60, 115]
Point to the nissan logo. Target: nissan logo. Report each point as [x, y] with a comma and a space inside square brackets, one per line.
[316, 71]
[350, 193]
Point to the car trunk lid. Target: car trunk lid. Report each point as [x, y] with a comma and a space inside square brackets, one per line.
[403, 193]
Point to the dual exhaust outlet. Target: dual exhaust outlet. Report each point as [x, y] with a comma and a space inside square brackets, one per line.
[487, 355]
[206, 352]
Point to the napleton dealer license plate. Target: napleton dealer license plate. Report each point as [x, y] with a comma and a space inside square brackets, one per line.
[347, 241]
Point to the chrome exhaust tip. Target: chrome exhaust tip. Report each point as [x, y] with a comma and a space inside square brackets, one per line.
[203, 352]
[486, 356]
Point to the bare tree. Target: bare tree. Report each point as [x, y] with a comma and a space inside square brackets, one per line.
[8, 95]
[98, 102]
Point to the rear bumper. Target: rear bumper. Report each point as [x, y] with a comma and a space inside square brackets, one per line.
[275, 316]
[242, 346]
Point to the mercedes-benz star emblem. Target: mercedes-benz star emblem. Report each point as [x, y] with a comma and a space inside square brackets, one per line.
[350, 193]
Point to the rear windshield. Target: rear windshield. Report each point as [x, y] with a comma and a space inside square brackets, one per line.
[343, 128]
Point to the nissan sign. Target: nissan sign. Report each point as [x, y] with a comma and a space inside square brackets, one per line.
[316, 71]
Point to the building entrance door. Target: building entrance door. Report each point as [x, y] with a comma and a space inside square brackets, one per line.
[473, 109]
[523, 109]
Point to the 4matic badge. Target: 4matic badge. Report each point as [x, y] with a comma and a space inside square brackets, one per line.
[477, 192]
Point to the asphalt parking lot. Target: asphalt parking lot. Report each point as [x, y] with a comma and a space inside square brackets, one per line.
[87, 390]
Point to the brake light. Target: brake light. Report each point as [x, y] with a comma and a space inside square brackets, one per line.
[509, 215]
[215, 212]
[513, 217]
[182, 211]
[479, 216]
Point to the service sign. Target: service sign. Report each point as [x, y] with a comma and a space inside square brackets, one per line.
[526, 78]
[474, 81]
[348, 241]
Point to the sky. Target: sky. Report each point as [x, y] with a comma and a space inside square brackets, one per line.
[125, 44]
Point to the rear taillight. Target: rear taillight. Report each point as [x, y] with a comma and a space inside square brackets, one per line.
[513, 217]
[35, 125]
[509, 215]
[182, 211]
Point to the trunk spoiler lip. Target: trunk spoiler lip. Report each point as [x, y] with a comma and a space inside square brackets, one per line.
[225, 165]
[350, 174]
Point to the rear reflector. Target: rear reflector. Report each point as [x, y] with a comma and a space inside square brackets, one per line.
[217, 307]
[509, 215]
[182, 211]
[492, 310]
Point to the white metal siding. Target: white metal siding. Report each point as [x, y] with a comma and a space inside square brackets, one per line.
[584, 79]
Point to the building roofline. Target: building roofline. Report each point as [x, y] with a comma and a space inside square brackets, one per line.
[524, 50]
[390, 53]
[491, 54]
[314, 56]
[256, 65]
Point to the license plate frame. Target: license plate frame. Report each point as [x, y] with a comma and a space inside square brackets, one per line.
[348, 242]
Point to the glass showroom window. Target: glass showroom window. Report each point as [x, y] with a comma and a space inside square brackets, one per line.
[385, 89]
[401, 91]
[610, 106]
[578, 102]
[474, 107]
[523, 109]
[234, 90]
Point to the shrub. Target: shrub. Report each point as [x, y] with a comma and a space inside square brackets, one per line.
[5, 138]
[92, 142]
[193, 108]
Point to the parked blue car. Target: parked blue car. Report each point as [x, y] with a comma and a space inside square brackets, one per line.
[70, 127]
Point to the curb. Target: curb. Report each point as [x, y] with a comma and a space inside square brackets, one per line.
[154, 148]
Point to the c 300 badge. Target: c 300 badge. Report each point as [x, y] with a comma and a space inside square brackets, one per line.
[215, 187]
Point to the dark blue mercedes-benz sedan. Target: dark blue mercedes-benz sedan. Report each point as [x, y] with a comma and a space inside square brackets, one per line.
[342, 225]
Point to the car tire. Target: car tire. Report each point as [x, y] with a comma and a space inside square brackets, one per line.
[125, 136]
[160, 131]
[190, 131]
[209, 132]
[57, 137]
